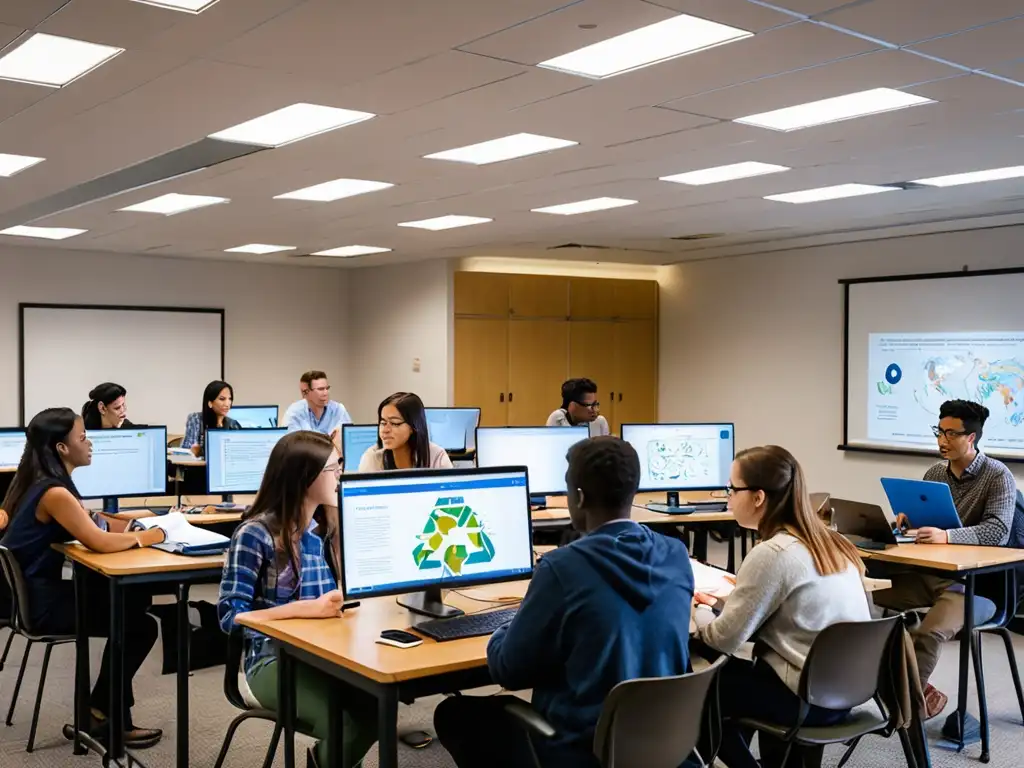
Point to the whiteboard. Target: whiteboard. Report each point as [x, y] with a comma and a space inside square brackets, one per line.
[164, 357]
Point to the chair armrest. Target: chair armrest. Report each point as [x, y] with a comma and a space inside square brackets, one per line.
[529, 717]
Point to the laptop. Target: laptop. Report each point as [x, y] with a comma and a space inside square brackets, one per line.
[865, 524]
[926, 504]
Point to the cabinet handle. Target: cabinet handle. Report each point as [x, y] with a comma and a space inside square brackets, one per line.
[510, 397]
[620, 397]
[612, 400]
[501, 397]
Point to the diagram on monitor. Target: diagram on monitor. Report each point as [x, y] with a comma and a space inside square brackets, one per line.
[453, 537]
[682, 460]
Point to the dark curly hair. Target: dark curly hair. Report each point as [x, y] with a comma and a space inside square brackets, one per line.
[606, 469]
[973, 415]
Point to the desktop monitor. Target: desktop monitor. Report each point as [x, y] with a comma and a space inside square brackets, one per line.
[12, 446]
[426, 530]
[255, 416]
[356, 439]
[125, 462]
[237, 458]
[542, 450]
[453, 428]
[682, 457]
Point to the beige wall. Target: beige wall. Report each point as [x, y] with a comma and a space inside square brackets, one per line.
[280, 321]
[758, 340]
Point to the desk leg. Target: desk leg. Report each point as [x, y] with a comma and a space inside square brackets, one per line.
[387, 726]
[82, 718]
[286, 703]
[335, 728]
[965, 655]
[183, 640]
[115, 715]
[743, 543]
[731, 563]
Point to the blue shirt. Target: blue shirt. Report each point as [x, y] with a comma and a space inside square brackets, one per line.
[195, 432]
[251, 581]
[301, 417]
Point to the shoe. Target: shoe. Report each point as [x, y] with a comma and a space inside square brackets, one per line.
[134, 736]
[934, 701]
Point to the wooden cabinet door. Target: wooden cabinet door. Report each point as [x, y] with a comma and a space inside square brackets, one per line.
[592, 356]
[539, 296]
[481, 368]
[481, 293]
[538, 363]
[635, 299]
[591, 298]
[636, 364]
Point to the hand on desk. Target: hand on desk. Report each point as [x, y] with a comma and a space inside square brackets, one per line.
[327, 606]
[154, 535]
[196, 450]
[932, 536]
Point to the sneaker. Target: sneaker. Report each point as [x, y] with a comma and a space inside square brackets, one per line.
[934, 701]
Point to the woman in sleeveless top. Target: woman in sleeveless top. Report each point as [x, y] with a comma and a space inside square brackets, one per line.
[44, 509]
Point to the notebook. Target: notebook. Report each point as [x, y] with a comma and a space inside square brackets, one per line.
[710, 580]
[183, 538]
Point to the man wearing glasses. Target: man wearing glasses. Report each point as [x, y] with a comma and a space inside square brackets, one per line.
[316, 412]
[580, 408]
[985, 494]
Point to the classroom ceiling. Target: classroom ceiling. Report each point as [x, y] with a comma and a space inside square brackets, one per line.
[441, 75]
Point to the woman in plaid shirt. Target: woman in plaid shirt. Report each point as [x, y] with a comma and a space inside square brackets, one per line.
[276, 569]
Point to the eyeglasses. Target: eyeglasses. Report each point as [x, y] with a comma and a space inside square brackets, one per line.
[393, 423]
[322, 389]
[732, 490]
[335, 468]
[594, 404]
[949, 434]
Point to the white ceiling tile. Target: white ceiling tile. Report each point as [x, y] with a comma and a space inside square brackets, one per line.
[27, 13]
[907, 21]
[111, 22]
[980, 48]
[735, 13]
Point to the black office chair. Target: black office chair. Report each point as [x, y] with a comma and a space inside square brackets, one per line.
[22, 625]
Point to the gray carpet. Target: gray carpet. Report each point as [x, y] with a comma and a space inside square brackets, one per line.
[211, 714]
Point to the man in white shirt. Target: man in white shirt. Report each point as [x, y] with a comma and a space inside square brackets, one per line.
[317, 412]
[580, 408]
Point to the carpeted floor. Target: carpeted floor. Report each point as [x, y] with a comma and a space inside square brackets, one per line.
[211, 714]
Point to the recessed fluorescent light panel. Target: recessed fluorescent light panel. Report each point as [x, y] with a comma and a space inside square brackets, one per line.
[188, 6]
[174, 203]
[586, 206]
[347, 251]
[830, 193]
[261, 248]
[724, 173]
[53, 61]
[46, 233]
[445, 222]
[643, 47]
[12, 164]
[330, 191]
[833, 110]
[974, 177]
[505, 148]
[288, 124]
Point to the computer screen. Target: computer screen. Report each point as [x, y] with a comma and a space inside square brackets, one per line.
[407, 531]
[682, 457]
[356, 439]
[12, 445]
[255, 416]
[125, 462]
[237, 458]
[541, 449]
[453, 428]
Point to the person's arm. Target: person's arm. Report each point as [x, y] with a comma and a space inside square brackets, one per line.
[346, 417]
[524, 654]
[3, 520]
[297, 422]
[191, 431]
[557, 419]
[997, 518]
[602, 426]
[60, 505]
[441, 459]
[368, 462]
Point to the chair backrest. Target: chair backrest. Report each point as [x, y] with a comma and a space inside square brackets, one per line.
[232, 666]
[11, 572]
[653, 722]
[822, 504]
[842, 668]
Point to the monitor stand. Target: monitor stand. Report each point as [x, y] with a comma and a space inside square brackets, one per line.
[538, 502]
[672, 506]
[429, 603]
[110, 505]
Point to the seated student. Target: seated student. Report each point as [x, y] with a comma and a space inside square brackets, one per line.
[217, 399]
[985, 494]
[298, 405]
[799, 580]
[317, 412]
[106, 408]
[403, 441]
[45, 508]
[614, 605]
[580, 408]
[275, 569]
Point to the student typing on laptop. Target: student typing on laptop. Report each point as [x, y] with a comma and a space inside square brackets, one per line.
[984, 492]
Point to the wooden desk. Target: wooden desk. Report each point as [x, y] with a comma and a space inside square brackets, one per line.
[8, 470]
[134, 566]
[180, 460]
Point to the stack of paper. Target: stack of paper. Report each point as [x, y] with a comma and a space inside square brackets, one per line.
[711, 581]
[182, 537]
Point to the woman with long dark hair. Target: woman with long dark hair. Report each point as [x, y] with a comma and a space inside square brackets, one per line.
[403, 441]
[45, 509]
[217, 399]
[106, 407]
[276, 569]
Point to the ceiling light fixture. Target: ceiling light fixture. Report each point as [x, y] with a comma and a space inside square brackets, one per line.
[347, 251]
[505, 148]
[329, 191]
[53, 61]
[835, 109]
[445, 222]
[664, 40]
[174, 203]
[46, 233]
[260, 248]
[585, 206]
[292, 123]
[974, 177]
[836, 192]
[187, 6]
[722, 173]
[12, 164]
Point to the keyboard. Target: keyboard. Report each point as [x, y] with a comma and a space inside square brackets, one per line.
[470, 625]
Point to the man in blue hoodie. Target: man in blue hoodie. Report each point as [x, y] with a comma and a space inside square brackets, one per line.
[614, 605]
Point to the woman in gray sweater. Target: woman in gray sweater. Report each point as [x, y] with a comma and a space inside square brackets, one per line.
[799, 580]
